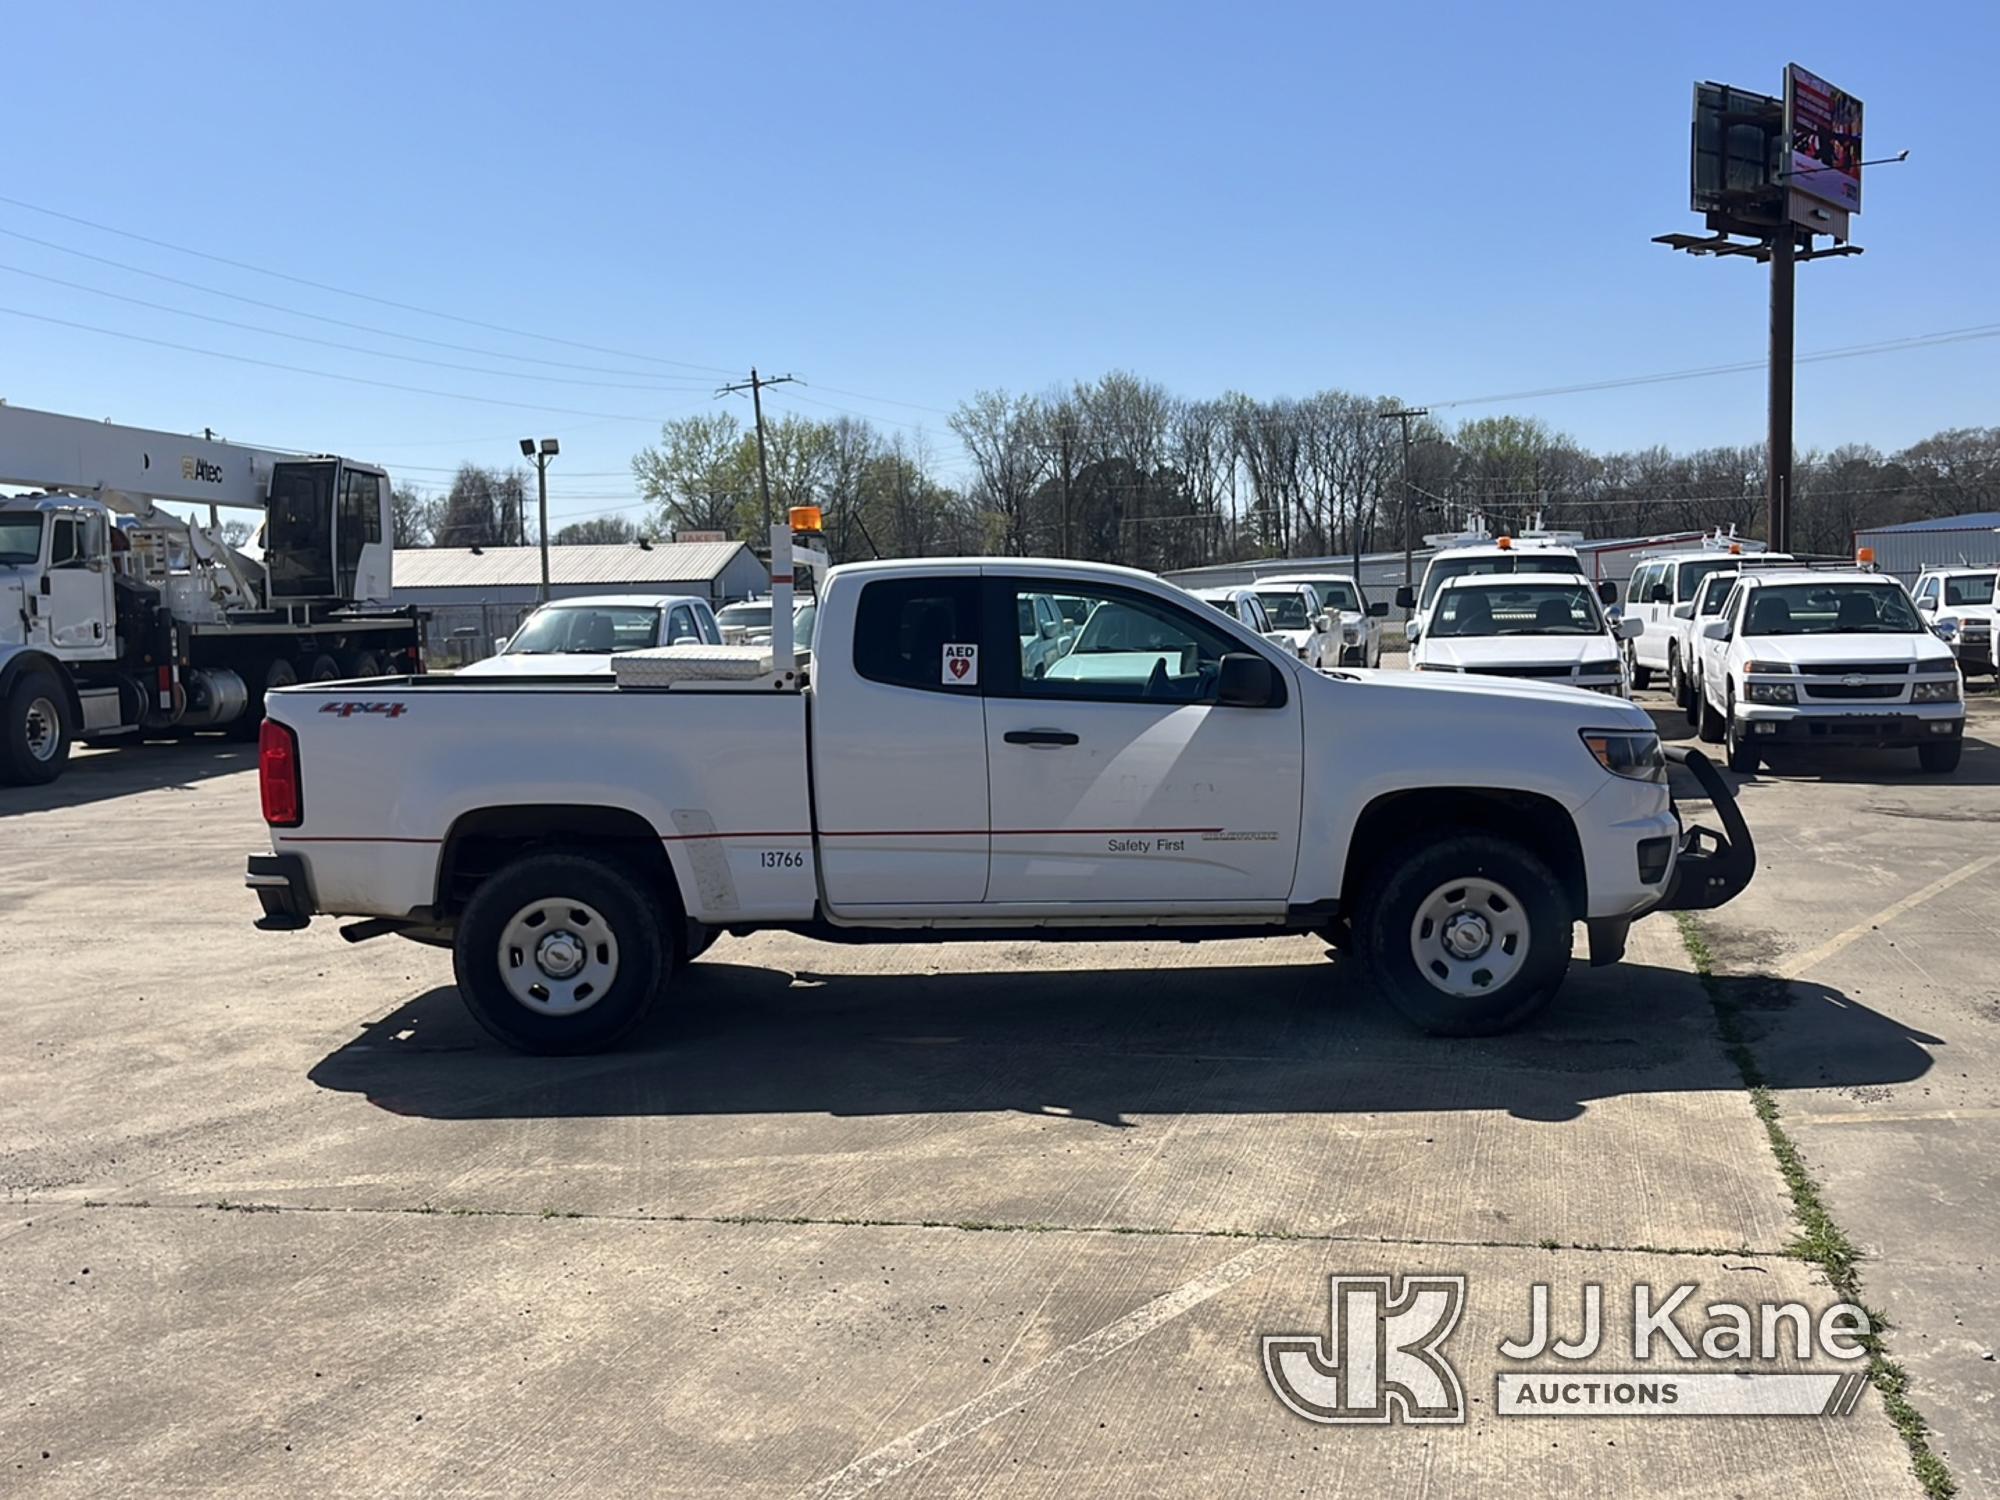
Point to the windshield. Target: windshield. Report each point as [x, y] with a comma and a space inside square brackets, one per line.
[1530, 609]
[1961, 588]
[21, 537]
[1445, 568]
[1338, 596]
[1831, 608]
[1287, 610]
[747, 616]
[1692, 573]
[586, 630]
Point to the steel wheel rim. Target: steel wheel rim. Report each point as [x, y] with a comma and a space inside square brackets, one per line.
[1470, 937]
[44, 729]
[558, 956]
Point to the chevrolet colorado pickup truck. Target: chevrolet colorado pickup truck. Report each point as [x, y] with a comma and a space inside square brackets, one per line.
[576, 841]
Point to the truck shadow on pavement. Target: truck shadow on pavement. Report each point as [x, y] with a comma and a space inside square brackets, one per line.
[94, 775]
[1103, 1045]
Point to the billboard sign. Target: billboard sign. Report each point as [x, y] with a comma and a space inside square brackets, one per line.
[1823, 141]
[1736, 158]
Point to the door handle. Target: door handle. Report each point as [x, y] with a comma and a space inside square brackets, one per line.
[1040, 737]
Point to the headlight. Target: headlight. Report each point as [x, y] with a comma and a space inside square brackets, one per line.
[1770, 692]
[1935, 692]
[1779, 668]
[1625, 752]
[1436, 666]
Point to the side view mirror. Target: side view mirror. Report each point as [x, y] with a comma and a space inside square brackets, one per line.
[1607, 591]
[1327, 622]
[684, 640]
[1406, 597]
[1716, 630]
[1928, 606]
[1684, 611]
[1048, 630]
[1659, 595]
[1378, 610]
[1631, 626]
[500, 643]
[1247, 681]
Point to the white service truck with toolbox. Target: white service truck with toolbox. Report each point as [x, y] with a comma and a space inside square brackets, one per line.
[118, 618]
[575, 842]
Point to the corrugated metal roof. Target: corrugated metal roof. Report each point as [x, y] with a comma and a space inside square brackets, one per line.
[1984, 520]
[621, 562]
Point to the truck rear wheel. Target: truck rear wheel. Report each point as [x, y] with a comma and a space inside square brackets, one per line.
[1466, 935]
[1940, 756]
[561, 953]
[34, 740]
[323, 668]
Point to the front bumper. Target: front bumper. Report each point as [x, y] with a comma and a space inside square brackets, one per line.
[282, 889]
[1711, 868]
[1896, 727]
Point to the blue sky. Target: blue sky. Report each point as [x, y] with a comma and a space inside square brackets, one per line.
[907, 203]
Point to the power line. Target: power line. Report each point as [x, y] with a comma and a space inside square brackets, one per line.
[306, 338]
[269, 364]
[296, 312]
[339, 291]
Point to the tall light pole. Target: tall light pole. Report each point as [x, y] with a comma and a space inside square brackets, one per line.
[548, 450]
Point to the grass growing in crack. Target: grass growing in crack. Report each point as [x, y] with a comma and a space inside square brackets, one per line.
[1820, 1241]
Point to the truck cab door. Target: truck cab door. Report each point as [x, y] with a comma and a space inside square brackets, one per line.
[1117, 781]
[76, 606]
[899, 748]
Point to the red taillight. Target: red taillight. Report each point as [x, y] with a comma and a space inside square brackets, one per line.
[278, 775]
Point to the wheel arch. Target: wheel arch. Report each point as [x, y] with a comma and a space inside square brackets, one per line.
[15, 661]
[484, 839]
[1532, 819]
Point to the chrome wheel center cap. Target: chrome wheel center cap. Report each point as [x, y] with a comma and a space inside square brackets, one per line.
[1466, 934]
[559, 955]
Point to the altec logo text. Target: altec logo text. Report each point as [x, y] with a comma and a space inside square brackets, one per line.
[1382, 1359]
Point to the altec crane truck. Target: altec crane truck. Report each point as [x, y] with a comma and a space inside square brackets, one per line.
[120, 618]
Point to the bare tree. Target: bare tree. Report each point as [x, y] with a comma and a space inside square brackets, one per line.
[1002, 435]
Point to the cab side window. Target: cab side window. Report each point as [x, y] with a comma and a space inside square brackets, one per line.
[680, 624]
[65, 543]
[1641, 584]
[1134, 648]
[913, 632]
[711, 633]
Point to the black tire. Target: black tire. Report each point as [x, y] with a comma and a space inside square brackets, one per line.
[35, 738]
[322, 668]
[641, 949]
[1709, 724]
[1692, 708]
[364, 664]
[1940, 756]
[1642, 677]
[1423, 871]
[1677, 684]
[280, 673]
[1742, 753]
[697, 941]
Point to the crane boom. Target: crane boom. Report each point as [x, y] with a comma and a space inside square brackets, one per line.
[121, 465]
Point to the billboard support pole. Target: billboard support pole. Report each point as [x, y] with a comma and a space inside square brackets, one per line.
[1783, 321]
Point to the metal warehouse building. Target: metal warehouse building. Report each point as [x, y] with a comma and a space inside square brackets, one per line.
[475, 595]
[1946, 541]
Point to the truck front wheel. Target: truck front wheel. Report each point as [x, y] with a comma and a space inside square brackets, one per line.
[1465, 935]
[561, 953]
[34, 740]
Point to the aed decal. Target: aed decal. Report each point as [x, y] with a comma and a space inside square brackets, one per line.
[349, 710]
[961, 666]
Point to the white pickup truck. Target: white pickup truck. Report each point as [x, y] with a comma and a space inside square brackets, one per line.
[576, 841]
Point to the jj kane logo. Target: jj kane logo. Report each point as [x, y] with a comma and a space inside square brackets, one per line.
[1382, 1358]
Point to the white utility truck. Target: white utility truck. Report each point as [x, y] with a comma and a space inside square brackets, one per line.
[119, 618]
[1813, 658]
[584, 633]
[1476, 552]
[574, 841]
[1960, 605]
[1546, 626]
[1661, 592]
[1347, 628]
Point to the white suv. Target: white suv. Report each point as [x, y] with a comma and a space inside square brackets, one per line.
[1804, 657]
[1959, 603]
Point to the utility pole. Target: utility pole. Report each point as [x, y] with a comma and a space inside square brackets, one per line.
[549, 449]
[1403, 414]
[755, 386]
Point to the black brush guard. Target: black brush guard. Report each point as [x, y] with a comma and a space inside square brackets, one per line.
[1712, 867]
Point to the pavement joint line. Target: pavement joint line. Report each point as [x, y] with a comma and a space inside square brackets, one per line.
[967, 1226]
[1812, 957]
[1822, 1243]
